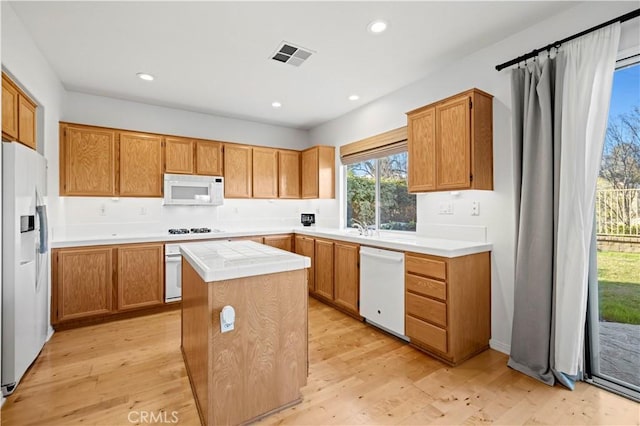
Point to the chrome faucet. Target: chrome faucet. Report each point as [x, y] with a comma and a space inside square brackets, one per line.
[361, 226]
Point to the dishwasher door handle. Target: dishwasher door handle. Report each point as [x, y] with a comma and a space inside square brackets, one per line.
[387, 258]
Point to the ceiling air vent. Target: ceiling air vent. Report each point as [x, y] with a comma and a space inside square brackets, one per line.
[291, 54]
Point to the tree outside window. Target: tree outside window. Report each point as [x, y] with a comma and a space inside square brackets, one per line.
[387, 176]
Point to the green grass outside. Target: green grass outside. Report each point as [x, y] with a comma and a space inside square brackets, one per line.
[619, 286]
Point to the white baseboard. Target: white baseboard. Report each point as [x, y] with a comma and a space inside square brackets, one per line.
[500, 346]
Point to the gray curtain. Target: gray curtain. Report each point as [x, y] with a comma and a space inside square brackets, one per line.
[536, 106]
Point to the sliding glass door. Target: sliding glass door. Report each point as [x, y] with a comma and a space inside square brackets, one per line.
[613, 351]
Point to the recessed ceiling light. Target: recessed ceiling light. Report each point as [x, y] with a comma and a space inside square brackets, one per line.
[377, 26]
[354, 97]
[145, 76]
[276, 104]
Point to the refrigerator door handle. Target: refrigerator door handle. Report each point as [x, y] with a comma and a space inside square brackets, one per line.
[41, 211]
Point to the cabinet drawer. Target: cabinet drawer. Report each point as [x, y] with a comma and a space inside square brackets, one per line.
[425, 266]
[426, 333]
[427, 309]
[426, 286]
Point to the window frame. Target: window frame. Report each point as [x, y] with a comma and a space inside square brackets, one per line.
[377, 207]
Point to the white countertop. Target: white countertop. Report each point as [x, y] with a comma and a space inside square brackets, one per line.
[227, 260]
[387, 240]
[401, 242]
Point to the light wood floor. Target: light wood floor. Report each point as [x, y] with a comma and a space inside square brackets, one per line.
[109, 373]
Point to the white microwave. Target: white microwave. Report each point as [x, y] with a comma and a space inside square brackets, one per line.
[193, 190]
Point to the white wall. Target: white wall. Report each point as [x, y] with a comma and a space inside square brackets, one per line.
[496, 207]
[110, 112]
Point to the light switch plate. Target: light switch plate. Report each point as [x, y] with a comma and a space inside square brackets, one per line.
[475, 208]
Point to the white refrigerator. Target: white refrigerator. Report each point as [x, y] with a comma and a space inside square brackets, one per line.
[25, 258]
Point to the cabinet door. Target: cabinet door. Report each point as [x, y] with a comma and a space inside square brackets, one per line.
[87, 161]
[283, 242]
[324, 268]
[140, 276]
[347, 276]
[421, 148]
[26, 122]
[140, 165]
[83, 284]
[237, 171]
[9, 109]
[178, 154]
[305, 246]
[265, 173]
[453, 147]
[289, 174]
[209, 158]
[310, 173]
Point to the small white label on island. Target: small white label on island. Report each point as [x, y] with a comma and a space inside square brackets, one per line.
[227, 319]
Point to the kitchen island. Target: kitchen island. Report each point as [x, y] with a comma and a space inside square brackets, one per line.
[258, 365]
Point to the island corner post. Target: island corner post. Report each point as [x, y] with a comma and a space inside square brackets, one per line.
[259, 367]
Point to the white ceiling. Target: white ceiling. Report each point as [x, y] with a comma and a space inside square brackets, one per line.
[214, 57]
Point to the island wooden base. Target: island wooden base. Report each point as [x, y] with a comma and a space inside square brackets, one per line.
[260, 366]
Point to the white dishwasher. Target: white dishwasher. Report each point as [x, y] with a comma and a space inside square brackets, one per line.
[382, 289]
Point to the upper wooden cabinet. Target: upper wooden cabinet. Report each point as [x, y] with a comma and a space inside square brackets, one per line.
[18, 114]
[265, 173]
[140, 165]
[450, 144]
[288, 174]
[421, 150]
[9, 109]
[318, 172]
[178, 154]
[98, 161]
[87, 161]
[209, 158]
[238, 169]
[140, 276]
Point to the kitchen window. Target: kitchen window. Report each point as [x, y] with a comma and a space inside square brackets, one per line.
[376, 193]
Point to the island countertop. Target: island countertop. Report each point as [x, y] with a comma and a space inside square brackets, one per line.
[226, 260]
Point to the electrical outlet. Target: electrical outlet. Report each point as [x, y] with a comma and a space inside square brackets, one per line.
[446, 208]
[143, 211]
[475, 208]
[103, 210]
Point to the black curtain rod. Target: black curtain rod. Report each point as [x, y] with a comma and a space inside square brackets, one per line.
[556, 44]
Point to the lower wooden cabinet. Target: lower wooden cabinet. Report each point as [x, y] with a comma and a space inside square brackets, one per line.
[324, 268]
[140, 276]
[82, 283]
[305, 246]
[448, 304]
[92, 282]
[336, 269]
[346, 261]
[283, 242]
